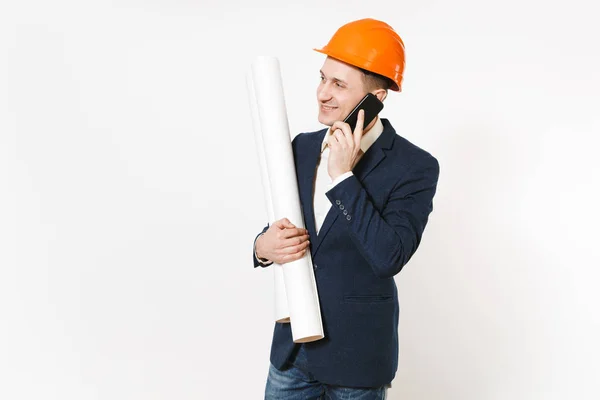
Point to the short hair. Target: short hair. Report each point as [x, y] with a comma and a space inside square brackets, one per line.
[375, 81]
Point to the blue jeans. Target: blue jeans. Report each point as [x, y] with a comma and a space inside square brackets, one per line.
[296, 383]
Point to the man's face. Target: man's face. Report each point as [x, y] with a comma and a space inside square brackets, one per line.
[340, 90]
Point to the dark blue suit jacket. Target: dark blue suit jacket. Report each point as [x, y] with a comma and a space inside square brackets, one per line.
[371, 231]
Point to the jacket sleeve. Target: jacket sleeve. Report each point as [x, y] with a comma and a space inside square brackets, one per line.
[256, 260]
[388, 239]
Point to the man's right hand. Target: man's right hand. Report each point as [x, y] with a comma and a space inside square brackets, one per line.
[282, 242]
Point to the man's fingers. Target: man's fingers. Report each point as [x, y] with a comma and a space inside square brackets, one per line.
[343, 133]
[284, 223]
[293, 242]
[287, 223]
[344, 127]
[293, 257]
[340, 135]
[291, 232]
[334, 138]
[339, 140]
[360, 121]
[295, 249]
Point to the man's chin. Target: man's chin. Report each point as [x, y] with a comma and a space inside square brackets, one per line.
[326, 120]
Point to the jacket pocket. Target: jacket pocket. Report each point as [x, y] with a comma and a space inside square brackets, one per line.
[369, 298]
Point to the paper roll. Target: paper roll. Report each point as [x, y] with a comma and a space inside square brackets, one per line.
[272, 122]
[282, 313]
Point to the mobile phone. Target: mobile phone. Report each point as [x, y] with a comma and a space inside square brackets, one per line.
[372, 106]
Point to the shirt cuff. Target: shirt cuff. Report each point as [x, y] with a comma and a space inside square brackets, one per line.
[340, 178]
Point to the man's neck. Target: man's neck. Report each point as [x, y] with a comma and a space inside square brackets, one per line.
[370, 126]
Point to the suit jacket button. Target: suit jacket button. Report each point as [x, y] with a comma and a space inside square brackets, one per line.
[338, 202]
[348, 217]
[345, 212]
[341, 206]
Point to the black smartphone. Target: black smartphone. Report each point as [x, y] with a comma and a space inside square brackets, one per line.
[372, 106]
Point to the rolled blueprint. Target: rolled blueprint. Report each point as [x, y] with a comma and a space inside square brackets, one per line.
[282, 313]
[272, 122]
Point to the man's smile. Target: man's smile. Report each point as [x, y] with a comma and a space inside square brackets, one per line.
[327, 108]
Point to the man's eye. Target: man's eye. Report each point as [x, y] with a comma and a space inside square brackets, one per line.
[322, 78]
[339, 85]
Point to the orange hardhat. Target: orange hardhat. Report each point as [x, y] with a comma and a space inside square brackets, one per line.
[371, 45]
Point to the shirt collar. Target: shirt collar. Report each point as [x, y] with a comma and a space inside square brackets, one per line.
[366, 141]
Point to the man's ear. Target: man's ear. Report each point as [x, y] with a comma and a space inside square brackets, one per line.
[381, 94]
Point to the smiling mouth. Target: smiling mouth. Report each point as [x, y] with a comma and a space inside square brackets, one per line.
[327, 108]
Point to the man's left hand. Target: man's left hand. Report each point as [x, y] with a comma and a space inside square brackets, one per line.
[344, 146]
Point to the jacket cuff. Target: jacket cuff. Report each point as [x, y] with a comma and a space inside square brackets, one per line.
[260, 262]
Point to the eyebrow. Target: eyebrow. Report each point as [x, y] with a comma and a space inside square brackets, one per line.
[335, 79]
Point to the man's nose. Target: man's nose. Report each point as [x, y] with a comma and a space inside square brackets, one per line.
[323, 93]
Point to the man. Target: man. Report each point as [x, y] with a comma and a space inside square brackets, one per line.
[366, 197]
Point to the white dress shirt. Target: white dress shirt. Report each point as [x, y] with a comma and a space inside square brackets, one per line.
[323, 182]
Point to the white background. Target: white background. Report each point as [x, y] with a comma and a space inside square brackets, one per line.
[130, 195]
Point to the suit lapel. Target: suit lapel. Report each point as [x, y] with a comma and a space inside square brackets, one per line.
[308, 167]
[330, 218]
